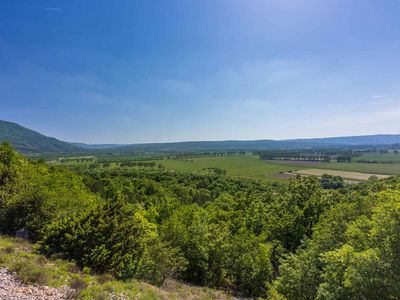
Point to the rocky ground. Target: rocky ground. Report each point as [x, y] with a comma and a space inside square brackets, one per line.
[12, 289]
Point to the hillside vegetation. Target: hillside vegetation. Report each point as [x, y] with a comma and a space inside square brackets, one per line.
[32, 142]
[36, 270]
[308, 239]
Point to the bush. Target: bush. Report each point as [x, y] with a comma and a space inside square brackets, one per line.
[116, 238]
[110, 238]
[161, 261]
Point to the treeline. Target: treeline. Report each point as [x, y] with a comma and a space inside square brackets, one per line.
[308, 239]
[316, 155]
[77, 160]
[140, 164]
[326, 155]
[191, 155]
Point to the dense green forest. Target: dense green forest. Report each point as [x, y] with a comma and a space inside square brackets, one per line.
[308, 239]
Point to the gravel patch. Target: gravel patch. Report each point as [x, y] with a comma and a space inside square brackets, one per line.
[12, 289]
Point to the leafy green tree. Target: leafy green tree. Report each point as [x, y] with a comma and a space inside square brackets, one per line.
[249, 264]
[110, 238]
[33, 194]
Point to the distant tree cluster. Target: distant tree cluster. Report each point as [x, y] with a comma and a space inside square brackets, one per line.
[140, 164]
[317, 155]
[331, 182]
[191, 155]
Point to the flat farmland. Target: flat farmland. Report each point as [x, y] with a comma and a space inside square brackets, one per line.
[384, 169]
[356, 176]
[249, 166]
[370, 168]
[378, 157]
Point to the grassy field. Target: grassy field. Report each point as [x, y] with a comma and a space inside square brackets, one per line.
[248, 166]
[371, 168]
[384, 157]
[385, 169]
[251, 166]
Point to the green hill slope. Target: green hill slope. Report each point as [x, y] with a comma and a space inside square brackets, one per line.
[31, 142]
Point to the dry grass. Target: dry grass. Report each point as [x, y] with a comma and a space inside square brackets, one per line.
[20, 257]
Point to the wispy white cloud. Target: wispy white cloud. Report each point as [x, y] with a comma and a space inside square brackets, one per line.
[47, 8]
[385, 99]
[386, 96]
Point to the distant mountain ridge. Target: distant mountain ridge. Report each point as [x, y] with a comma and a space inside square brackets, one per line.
[97, 146]
[31, 142]
[256, 145]
[377, 139]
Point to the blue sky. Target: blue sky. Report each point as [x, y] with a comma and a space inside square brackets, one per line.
[166, 70]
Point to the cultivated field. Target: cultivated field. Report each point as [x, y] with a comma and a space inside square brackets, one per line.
[249, 166]
[252, 167]
[384, 169]
[383, 158]
[370, 168]
[357, 176]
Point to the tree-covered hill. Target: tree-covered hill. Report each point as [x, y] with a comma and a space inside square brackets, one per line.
[256, 145]
[31, 142]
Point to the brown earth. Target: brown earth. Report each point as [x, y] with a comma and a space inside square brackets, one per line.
[344, 174]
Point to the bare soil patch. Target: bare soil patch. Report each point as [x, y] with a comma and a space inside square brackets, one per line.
[284, 176]
[344, 174]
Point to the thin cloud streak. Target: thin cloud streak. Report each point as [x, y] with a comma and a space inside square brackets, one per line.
[47, 8]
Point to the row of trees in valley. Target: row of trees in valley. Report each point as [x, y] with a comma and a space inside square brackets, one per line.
[308, 239]
[317, 155]
[329, 154]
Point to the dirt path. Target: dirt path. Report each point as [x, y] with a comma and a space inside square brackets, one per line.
[12, 289]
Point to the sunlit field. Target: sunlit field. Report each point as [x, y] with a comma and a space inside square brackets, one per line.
[251, 166]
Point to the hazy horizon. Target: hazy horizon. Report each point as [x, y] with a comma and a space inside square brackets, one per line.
[101, 72]
[222, 140]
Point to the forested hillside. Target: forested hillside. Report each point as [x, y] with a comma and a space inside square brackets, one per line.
[308, 239]
[32, 142]
[257, 145]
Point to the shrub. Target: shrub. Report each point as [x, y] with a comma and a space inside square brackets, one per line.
[110, 238]
[116, 238]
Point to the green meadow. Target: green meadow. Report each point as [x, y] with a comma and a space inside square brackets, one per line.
[250, 166]
[246, 166]
[380, 157]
